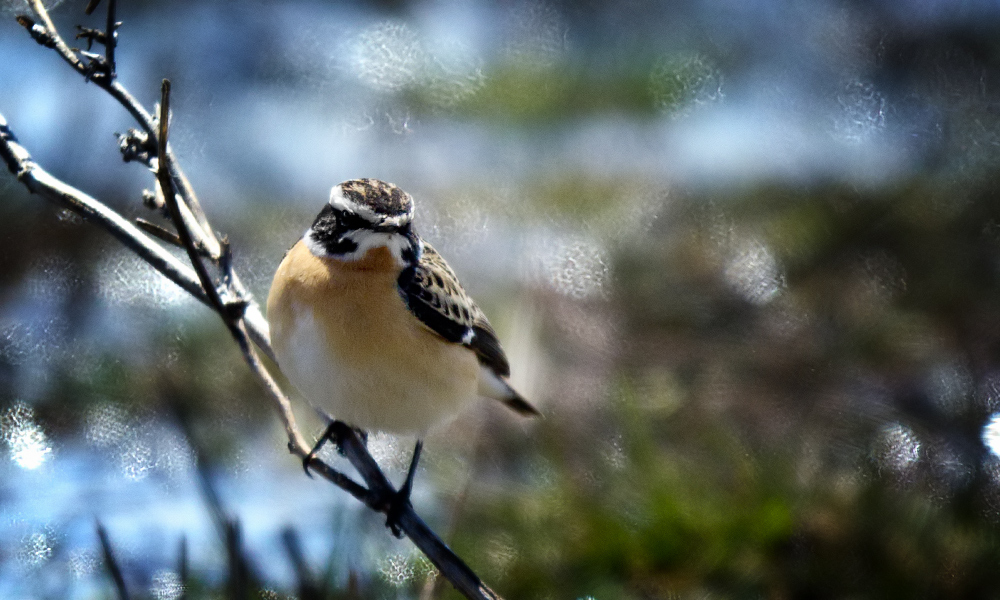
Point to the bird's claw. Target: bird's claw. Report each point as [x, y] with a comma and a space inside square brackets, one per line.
[330, 433]
[397, 506]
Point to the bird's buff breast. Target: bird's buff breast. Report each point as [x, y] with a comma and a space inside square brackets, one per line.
[343, 336]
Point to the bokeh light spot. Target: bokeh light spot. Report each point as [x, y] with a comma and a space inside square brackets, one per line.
[991, 434]
[166, 585]
[28, 444]
[682, 84]
[752, 272]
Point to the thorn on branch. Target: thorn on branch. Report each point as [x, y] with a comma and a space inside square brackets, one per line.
[37, 32]
[97, 69]
[154, 201]
[136, 145]
[108, 38]
[91, 35]
[226, 260]
[159, 232]
[111, 38]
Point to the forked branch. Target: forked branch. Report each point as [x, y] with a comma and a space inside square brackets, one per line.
[225, 295]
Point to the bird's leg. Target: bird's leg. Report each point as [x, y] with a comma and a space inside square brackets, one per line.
[332, 433]
[402, 497]
[328, 434]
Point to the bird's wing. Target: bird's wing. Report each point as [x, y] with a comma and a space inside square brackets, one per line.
[433, 294]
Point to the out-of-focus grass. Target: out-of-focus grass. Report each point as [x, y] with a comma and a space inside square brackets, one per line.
[527, 94]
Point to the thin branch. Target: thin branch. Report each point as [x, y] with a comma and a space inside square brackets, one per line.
[111, 38]
[158, 232]
[241, 315]
[47, 35]
[57, 42]
[170, 199]
[39, 181]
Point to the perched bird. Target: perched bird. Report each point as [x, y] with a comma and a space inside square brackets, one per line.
[371, 325]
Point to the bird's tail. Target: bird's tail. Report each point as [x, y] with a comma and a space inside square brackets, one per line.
[492, 385]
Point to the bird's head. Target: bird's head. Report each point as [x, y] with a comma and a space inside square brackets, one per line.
[363, 214]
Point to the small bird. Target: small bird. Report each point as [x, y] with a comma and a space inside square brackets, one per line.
[371, 325]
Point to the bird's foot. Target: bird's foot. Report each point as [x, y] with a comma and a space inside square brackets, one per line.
[333, 433]
[399, 504]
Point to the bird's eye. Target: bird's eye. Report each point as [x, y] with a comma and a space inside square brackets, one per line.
[352, 221]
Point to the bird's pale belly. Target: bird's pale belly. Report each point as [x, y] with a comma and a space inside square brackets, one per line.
[347, 342]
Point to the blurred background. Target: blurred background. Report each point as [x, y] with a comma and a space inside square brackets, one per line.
[744, 256]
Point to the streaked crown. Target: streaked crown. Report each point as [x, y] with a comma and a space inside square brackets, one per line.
[380, 203]
[363, 214]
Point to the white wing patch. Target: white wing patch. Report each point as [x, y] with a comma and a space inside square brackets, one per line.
[492, 386]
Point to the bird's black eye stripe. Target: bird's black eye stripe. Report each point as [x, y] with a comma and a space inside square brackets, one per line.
[341, 246]
[349, 220]
[326, 222]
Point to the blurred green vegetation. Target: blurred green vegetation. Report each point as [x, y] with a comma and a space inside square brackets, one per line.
[740, 452]
[532, 94]
[781, 391]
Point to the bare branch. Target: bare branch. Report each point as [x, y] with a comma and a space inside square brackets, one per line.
[41, 182]
[170, 199]
[228, 298]
[47, 35]
[111, 38]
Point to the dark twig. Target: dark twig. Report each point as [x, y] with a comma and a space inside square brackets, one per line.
[182, 567]
[91, 35]
[47, 35]
[170, 199]
[241, 573]
[451, 566]
[160, 233]
[111, 38]
[39, 181]
[110, 563]
[308, 589]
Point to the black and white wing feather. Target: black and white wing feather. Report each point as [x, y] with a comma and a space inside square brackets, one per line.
[433, 294]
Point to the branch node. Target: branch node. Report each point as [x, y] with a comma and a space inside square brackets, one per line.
[91, 35]
[38, 33]
[97, 69]
[151, 201]
[159, 232]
